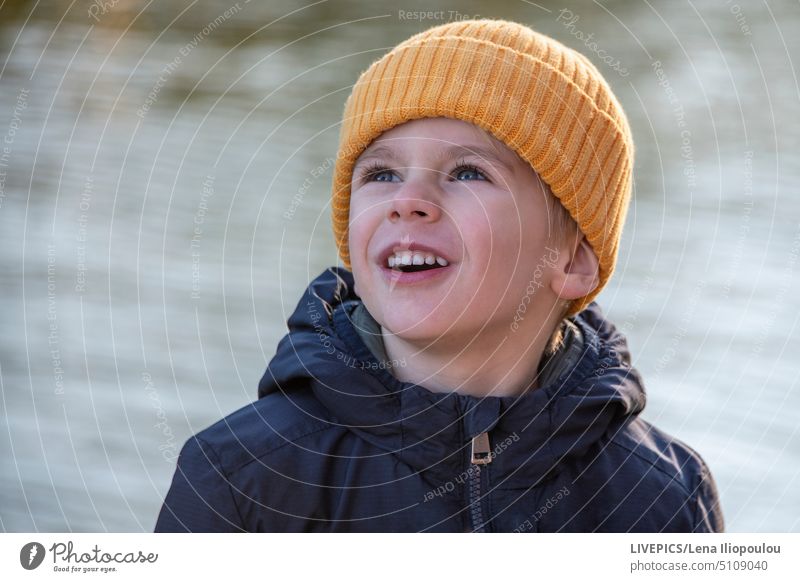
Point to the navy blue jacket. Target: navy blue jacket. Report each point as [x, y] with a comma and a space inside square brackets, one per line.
[336, 443]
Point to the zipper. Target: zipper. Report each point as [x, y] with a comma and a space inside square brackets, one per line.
[481, 455]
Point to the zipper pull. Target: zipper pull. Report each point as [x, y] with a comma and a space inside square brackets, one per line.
[481, 452]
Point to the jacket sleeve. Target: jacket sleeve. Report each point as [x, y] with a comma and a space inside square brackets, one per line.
[200, 498]
[708, 511]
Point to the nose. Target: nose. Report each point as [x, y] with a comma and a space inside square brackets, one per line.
[415, 201]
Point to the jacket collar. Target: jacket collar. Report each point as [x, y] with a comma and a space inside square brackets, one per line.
[432, 432]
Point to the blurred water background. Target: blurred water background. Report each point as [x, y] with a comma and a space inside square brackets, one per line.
[164, 179]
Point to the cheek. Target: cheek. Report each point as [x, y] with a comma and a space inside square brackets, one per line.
[478, 240]
[528, 227]
[357, 242]
[500, 238]
[361, 227]
[509, 247]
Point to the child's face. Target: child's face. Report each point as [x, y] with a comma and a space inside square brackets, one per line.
[439, 188]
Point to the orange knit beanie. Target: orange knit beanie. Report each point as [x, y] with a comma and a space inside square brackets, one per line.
[542, 99]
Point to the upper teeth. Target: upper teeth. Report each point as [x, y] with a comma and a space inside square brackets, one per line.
[415, 258]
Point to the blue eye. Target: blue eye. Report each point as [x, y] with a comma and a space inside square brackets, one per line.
[377, 173]
[382, 176]
[465, 172]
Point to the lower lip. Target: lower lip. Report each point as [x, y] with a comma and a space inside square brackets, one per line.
[395, 277]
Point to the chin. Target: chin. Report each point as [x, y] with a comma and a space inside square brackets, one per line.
[414, 324]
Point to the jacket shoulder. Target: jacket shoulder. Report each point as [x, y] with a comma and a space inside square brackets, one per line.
[668, 481]
[212, 484]
[262, 427]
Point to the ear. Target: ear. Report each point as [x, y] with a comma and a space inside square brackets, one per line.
[576, 274]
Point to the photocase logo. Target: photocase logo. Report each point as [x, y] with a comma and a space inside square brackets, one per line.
[31, 555]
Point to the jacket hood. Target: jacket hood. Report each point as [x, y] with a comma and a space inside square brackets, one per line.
[532, 434]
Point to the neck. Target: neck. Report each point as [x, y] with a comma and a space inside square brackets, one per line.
[494, 363]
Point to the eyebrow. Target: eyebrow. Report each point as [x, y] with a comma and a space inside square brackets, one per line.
[482, 152]
[472, 150]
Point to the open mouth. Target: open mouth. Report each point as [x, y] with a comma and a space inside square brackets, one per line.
[415, 268]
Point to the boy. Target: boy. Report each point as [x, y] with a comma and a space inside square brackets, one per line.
[461, 378]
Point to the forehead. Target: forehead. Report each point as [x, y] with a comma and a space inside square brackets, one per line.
[449, 137]
[441, 129]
